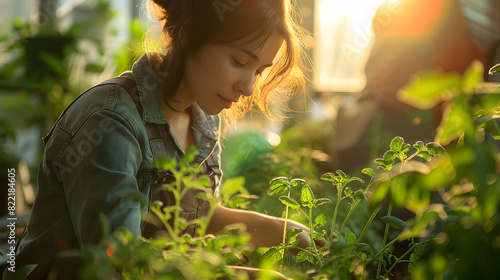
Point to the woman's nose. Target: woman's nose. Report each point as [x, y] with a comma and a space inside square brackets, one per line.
[245, 85]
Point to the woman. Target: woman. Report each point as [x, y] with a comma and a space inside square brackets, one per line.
[100, 150]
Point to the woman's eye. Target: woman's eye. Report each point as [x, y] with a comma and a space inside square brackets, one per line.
[238, 63]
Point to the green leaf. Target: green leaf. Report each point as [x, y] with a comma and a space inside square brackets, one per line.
[411, 268]
[494, 69]
[340, 179]
[365, 247]
[356, 179]
[320, 220]
[241, 199]
[271, 256]
[231, 187]
[165, 163]
[397, 189]
[369, 172]
[473, 76]
[303, 256]
[290, 202]
[397, 144]
[297, 183]
[229, 258]
[387, 161]
[493, 127]
[182, 223]
[188, 157]
[389, 156]
[405, 150]
[94, 68]
[291, 234]
[456, 120]
[307, 197]
[321, 201]
[380, 193]
[359, 194]
[348, 192]
[350, 238]
[318, 236]
[339, 247]
[419, 145]
[425, 155]
[415, 256]
[394, 222]
[429, 89]
[279, 185]
[434, 149]
[419, 249]
[328, 177]
[342, 176]
[202, 182]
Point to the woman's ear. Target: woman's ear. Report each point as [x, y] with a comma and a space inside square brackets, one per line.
[184, 33]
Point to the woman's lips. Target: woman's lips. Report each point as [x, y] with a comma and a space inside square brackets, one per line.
[226, 102]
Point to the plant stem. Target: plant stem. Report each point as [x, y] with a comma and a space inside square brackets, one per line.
[165, 223]
[300, 248]
[339, 198]
[388, 245]
[410, 157]
[375, 212]
[353, 207]
[178, 196]
[284, 227]
[211, 211]
[399, 260]
[386, 233]
[312, 240]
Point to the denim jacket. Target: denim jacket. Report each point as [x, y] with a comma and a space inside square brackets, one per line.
[98, 153]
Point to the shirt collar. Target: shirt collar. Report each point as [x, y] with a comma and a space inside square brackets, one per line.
[149, 93]
[146, 79]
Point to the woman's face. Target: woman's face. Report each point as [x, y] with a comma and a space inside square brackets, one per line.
[217, 75]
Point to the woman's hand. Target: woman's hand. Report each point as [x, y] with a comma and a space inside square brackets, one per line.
[265, 231]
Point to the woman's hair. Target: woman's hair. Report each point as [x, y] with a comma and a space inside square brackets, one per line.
[187, 25]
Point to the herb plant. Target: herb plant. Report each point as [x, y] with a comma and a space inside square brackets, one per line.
[343, 253]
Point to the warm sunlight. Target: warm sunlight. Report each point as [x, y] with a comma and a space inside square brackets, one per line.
[344, 36]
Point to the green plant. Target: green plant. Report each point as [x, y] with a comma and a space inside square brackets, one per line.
[346, 252]
[283, 185]
[124, 256]
[467, 179]
[445, 235]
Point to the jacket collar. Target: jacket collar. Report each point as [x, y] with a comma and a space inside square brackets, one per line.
[207, 128]
[146, 80]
